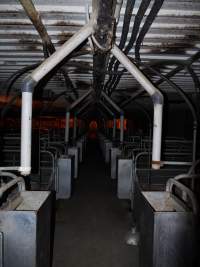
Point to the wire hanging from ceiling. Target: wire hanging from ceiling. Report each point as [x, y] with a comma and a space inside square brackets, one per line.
[125, 29]
[138, 37]
[138, 19]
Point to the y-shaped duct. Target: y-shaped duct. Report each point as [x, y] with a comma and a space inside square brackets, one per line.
[156, 97]
[32, 79]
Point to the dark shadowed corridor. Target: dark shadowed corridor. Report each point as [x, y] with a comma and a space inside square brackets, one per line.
[92, 225]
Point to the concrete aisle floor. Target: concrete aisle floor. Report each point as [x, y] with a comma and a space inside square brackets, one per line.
[92, 225]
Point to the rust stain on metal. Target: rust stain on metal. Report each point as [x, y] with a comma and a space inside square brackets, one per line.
[66, 23]
[30, 42]
[63, 37]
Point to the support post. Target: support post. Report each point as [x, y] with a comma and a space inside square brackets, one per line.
[121, 128]
[67, 121]
[75, 128]
[114, 128]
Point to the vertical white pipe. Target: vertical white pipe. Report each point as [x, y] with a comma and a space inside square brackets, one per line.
[75, 128]
[157, 134]
[67, 121]
[26, 128]
[157, 101]
[114, 128]
[121, 128]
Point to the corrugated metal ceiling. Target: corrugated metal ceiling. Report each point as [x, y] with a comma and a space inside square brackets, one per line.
[174, 35]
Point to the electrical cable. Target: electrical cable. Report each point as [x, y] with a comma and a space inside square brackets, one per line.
[114, 80]
[148, 22]
[10, 81]
[125, 29]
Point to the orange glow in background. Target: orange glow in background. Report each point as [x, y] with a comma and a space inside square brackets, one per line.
[118, 124]
[110, 124]
[93, 125]
[42, 123]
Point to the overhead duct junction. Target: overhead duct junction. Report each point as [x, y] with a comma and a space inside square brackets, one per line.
[89, 30]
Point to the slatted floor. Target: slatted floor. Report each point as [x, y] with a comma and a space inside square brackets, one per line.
[92, 225]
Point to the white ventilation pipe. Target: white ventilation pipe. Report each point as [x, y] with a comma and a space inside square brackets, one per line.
[157, 99]
[26, 128]
[28, 86]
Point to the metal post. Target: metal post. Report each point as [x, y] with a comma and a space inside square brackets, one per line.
[194, 150]
[67, 127]
[75, 128]
[114, 128]
[121, 128]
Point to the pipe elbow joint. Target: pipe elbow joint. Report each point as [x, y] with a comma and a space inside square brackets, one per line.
[158, 98]
[25, 171]
[28, 84]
